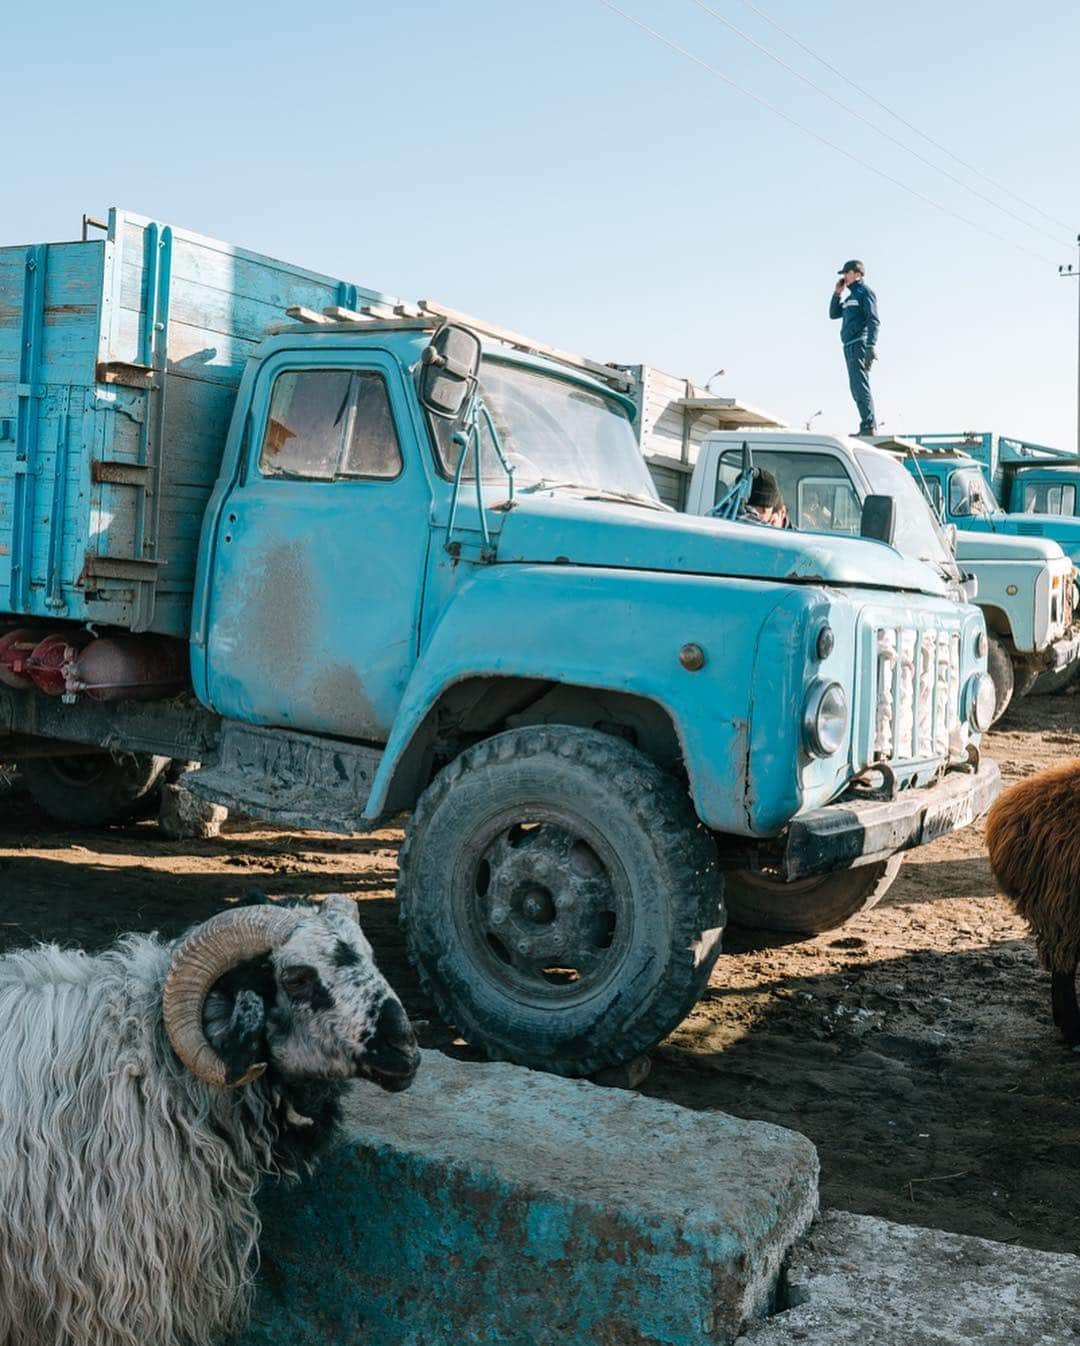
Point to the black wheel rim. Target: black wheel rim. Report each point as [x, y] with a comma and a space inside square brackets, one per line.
[544, 907]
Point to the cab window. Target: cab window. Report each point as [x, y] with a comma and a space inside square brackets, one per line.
[816, 487]
[328, 424]
[1045, 497]
[969, 494]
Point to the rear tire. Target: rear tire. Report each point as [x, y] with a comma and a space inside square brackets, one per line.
[560, 899]
[1000, 667]
[92, 789]
[807, 906]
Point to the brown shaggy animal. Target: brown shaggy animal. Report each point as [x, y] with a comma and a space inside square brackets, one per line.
[1033, 837]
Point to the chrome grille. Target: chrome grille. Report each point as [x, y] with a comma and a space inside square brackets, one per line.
[918, 695]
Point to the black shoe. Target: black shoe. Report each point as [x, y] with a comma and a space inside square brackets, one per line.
[865, 430]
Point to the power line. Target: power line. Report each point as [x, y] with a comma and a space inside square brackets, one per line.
[854, 112]
[903, 120]
[823, 140]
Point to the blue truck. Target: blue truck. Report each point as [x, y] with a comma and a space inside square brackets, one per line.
[1027, 478]
[358, 557]
[992, 483]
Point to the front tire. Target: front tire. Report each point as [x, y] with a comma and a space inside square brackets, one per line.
[807, 906]
[1000, 667]
[93, 789]
[560, 899]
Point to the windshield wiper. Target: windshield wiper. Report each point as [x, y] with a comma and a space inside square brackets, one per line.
[594, 493]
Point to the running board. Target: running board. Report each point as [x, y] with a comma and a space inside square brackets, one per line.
[284, 777]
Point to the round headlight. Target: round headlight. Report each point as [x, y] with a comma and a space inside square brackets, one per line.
[825, 642]
[825, 719]
[981, 700]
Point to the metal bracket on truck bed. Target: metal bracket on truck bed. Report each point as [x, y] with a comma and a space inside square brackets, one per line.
[298, 780]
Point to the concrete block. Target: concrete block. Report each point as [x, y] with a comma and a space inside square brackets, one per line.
[857, 1281]
[182, 816]
[494, 1204]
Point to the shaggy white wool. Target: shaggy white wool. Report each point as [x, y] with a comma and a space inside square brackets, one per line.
[128, 1214]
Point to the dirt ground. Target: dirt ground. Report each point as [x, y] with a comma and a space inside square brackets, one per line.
[914, 1046]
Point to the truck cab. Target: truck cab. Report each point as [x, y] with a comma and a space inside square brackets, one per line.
[1044, 489]
[1023, 585]
[967, 477]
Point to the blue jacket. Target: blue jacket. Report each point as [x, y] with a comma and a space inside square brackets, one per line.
[859, 313]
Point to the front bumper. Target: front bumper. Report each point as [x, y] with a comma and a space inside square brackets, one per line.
[857, 832]
[1062, 652]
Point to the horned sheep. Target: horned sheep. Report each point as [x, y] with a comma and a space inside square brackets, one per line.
[1033, 839]
[145, 1092]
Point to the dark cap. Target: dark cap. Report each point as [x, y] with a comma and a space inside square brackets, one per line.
[765, 490]
[853, 265]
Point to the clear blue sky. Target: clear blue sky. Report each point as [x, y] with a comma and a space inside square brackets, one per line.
[552, 168]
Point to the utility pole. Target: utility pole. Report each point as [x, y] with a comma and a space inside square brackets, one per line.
[1071, 272]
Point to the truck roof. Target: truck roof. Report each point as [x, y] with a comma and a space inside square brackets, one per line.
[804, 438]
[1047, 469]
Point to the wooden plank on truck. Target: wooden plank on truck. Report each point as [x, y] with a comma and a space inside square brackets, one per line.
[613, 374]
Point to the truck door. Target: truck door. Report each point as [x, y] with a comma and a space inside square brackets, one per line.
[320, 550]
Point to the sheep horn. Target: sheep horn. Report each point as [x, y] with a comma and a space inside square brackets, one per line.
[209, 951]
[343, 905]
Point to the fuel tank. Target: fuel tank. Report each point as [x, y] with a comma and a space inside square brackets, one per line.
[129, 668]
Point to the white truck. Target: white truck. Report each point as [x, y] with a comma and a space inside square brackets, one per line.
[1024, 585]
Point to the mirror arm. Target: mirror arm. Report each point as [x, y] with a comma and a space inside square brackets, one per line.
[462, 438]
[469, 436]
[497, 442]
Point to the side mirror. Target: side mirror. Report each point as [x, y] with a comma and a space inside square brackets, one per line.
[878, 519]
[450, 365]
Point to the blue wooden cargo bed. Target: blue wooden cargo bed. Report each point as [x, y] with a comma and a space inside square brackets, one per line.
[119, 362]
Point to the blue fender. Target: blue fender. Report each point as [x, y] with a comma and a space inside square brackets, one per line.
[616, 630]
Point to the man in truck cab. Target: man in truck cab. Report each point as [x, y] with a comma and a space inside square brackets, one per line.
[765, 503]
[858, 332]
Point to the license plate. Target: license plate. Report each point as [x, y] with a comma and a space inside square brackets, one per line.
[942, 818]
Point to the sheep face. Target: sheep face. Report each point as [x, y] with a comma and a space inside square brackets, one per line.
[334, 1014]
[316, 1008]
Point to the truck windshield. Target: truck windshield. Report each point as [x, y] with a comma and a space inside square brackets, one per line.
[816, 487]
[821, 496]
[970, 494]
[1047, 497]
[553, 431]
[917, 531]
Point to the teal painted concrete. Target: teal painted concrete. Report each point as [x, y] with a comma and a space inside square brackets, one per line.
[492, 1204]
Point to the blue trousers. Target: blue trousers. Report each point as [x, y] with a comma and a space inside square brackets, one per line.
[859, 383]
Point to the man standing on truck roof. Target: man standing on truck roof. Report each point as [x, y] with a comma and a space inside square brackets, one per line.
[858, 332]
